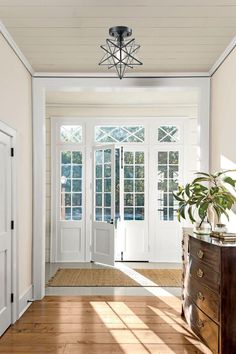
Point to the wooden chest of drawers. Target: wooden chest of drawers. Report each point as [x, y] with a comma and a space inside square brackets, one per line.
[209, 291]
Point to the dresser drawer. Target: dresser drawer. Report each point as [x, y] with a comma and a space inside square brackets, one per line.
[202, 325]
[205, 252]
[204, 275]
[203, 297]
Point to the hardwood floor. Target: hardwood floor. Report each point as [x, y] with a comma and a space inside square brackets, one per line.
[102, 325]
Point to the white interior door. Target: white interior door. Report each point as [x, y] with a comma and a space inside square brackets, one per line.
[5, 232]
[103, 223]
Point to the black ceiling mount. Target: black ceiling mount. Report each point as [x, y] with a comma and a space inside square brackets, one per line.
[120, 52]
[120, 32]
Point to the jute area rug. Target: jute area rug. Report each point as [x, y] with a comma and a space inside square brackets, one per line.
[113, 277]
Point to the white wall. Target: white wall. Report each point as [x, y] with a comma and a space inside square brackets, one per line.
[223, 115]
[119, 111]
[15, 110]
[223, 119]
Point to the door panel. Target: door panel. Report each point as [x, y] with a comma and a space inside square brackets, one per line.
[70, 206]
[5, 232]
[103, 225]
[134, 208]
[167, 172]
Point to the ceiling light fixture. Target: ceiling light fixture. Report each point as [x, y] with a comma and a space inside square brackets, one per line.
[120, 52]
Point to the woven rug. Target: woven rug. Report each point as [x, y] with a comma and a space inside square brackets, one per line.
[112, 277]
[162, 277]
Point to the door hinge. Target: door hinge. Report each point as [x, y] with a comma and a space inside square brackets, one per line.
[12, 225]
[12, 152]
[12, 297]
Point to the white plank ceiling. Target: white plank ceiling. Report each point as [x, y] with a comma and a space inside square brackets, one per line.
[175, 35]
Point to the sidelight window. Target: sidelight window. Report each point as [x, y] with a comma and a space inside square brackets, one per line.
[71, 185]
[168, 179]
[134, 175]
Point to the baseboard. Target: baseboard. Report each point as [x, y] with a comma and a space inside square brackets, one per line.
[23, 300]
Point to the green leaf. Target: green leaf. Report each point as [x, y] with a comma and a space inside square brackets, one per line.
[182, 212]
[190, 214]
[202, 211]
[202, 173]
[187, 189]
[201, 179]
[177, 197]
[229, 180]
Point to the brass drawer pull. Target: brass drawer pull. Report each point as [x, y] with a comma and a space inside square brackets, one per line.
[200, 273]
[200, 323]
[200, 254]
[200, 296]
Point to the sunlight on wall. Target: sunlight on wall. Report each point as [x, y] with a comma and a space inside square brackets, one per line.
[227, 164]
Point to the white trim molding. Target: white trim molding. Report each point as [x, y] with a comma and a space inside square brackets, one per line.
[223, 56]
[15, 48]
[43, 85]
[6, 129]
[25, 300]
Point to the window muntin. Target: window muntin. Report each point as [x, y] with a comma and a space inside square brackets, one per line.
[103, 185]
[134, 176]
[168, 180]
[71, 134]
[168, 134]
[71, 185]
[119, 134]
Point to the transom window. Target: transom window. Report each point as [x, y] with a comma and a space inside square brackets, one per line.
[120, 134]
[168, 179]
[71, 134]
[134, 175]
[71, 185]
[168, 134]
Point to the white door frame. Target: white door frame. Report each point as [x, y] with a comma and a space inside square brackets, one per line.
[4, 128]
[43, 85]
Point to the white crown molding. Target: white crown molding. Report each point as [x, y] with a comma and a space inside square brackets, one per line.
[112, 76]
[223, 56]
[111, 105]
[15, 48]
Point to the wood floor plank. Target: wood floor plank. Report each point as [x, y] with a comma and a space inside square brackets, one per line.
[106, 310]
[90, 304]
[135, 349]
[87, 298]
[113, 336]
[99, 328]
[93, 325]
[32, 349]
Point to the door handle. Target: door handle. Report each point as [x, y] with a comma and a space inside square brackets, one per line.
[110, 221]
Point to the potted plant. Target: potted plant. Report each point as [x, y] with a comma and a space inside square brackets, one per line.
[205, 198]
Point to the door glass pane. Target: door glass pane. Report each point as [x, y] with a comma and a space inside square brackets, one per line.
[168, 134]
[134, 175]
[102, 199]
[119, 134]
[71, 134]
[71, 185]
[76, 214]
[168, 180]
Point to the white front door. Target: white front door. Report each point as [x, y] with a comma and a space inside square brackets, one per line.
[5, 232]
[70, 245]
[103, 223]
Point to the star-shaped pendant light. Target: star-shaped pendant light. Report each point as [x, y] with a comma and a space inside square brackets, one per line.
[120, 52]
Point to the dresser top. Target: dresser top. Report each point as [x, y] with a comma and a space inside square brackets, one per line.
[212, 240]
